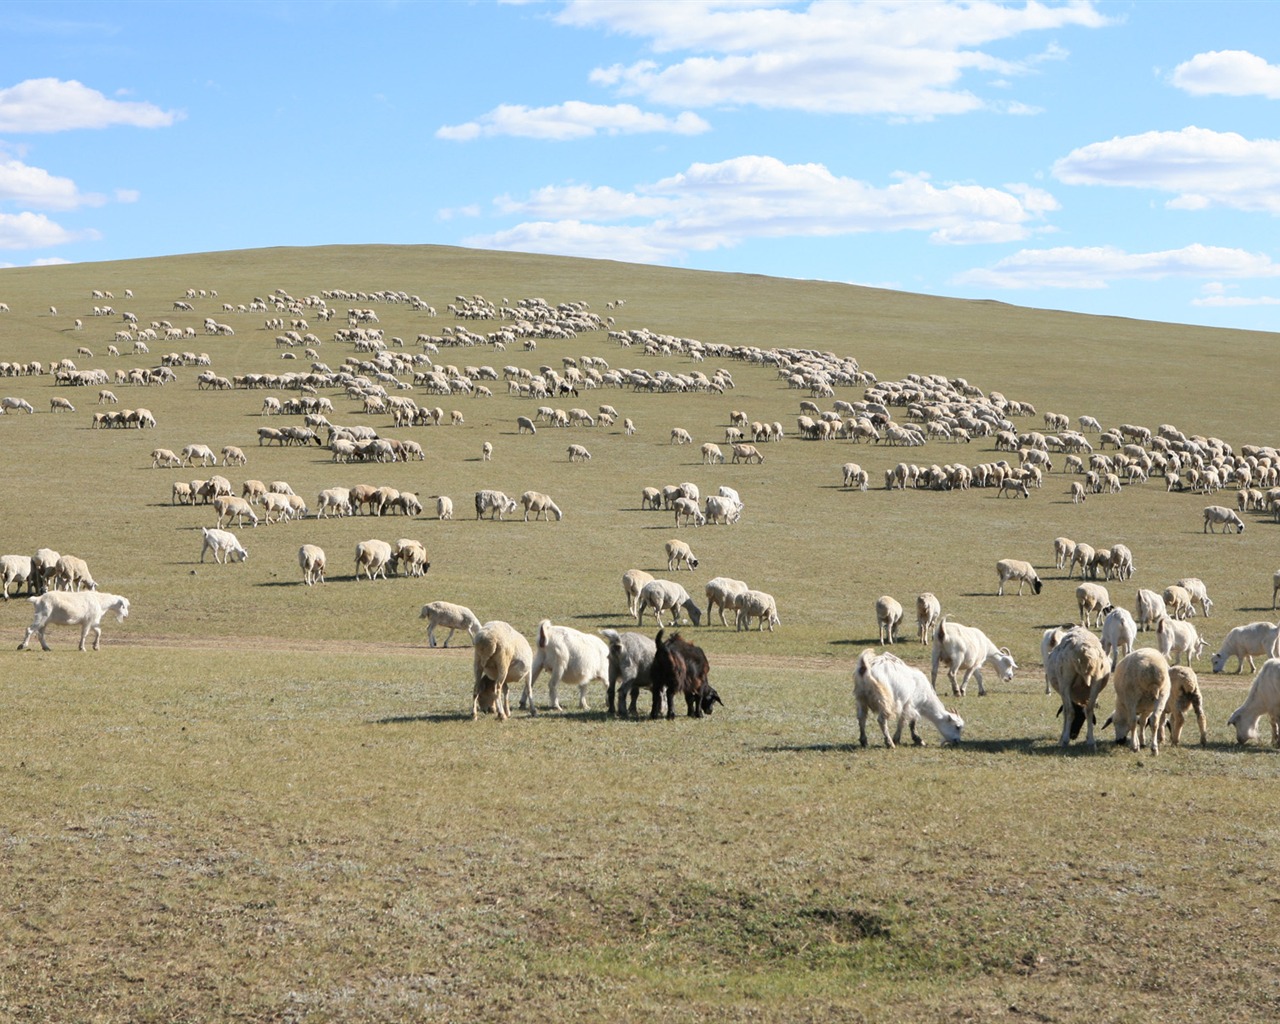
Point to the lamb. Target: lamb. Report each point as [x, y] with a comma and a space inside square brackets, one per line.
[224, 545]
[1142, 692]
[164, 457]
[443, 614]
[1013, 569]
[1178, 602]
[534, 501]
[411, 556]
[680, 667]
[84, 609]
[502, 656]
[1218, 515]
[373, 557]
[1254, 640]
[1119, 632]
[1077, 668]
[721, 510]
[1184, 696]
[888, 614]
[1093, 601]
[756, 604]
[678, 551]
[1263, 699]
[727, 594]
[661, 595]
[578, 453]
[17, 570]
[928, 612]
[311, 559]
[73, 573]
[633, 582]
[570, 656]
[1197, 593]
[495, 503]
[964, 650]
[336, 498]
[1063, 550]
[630, 670]
[1149, 608]
[230, 507]
[1175, 639]
[887, 686]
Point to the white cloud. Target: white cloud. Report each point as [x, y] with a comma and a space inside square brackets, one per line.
[1228, 73]
[52, 105]
[896, 58]
[571, 120]
[34, 231]
[1201, 167]
[50, 261]
[1097, 267]
[719, 205]
[127, 195]
[1215, 296]
[34, 186]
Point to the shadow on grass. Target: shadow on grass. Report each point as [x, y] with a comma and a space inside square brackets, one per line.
[870, 642]
[447, 716]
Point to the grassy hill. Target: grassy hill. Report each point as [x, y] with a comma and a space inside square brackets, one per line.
[267, 800]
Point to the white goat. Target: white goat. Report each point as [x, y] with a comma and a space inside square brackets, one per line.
[964, 650]
[889, 687]
[84, 609]
[570, 656]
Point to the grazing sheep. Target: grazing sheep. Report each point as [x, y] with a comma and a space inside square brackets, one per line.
[1252, 641]
[17, 570]
[233, 456]
[630, 671]
[854, 475]
[680, 667]
[58, 404]
[711, 454]
[502, 656]
[725, 593]
[1142, 690]
[964, 650]
[1263, 699]
[412, 557]
[721, 510]
[687, 509]
[73, 573]
[633, 581]
[1175, 639]
[887, 686]
[928, 612]
[14, 404]
[443, 614]
[1217, 515]
[1178, 602]
[747, 453]
[202, 452]
[651, 498]
[570, 656]
[1093, 601]
[1013, 569]
[1149, 608]
[888, 614]
[1081, 555]
[373, 557]
[1077, 668]
[678, 551]
[681, 436]
[1077, 492]
[495, 503]
[84, 609]
[1185, 696]
[1063, 550]
[311, 560]
[1197, 594]
[756, 604]
[224, 545]
[164, 457]
[1119, 632]
[336, 498]
[663, 595]
[577, 453]
[229, 507]
[44, 566]
[1121, 563]
[182, 494]
[541, 505]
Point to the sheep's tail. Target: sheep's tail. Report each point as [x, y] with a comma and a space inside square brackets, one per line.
[938, 631]
[544, 629]
[863, 668]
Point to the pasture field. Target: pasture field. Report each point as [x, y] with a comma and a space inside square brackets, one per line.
[266, 801]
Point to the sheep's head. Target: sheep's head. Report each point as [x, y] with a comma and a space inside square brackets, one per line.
[122, 609]
[950, 725]
[1036, 585]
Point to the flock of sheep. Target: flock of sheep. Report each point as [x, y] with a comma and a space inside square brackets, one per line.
[913, 412]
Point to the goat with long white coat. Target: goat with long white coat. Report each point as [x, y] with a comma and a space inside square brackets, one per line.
[889, 687]
[1254, 640]
[964, 650]
[570, 656]
[85, 608]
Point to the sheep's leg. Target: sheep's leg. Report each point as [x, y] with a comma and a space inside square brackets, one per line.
[977, 674]
[554, 687]
[1068, 714]
[450, 636]
[884, 729]
[582, 695]
[862, 726]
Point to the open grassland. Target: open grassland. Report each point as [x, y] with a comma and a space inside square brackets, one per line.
[269, 801]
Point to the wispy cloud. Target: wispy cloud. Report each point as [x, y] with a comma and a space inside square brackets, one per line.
[1228, 73]
[35, 231]
[571, 120]
[1097, 267]
[719, 205]
[1201, 167]
[52, 105]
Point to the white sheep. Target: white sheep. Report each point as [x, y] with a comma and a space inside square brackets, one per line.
[725, 593]
[443, 614]
[311, 560]
[633, 581]
[1197, 593]
[72, 573]
[229, 507]
[928, 612]
[664, 595]
[84, 609]
[854, 475]
[1176, 638]
[747, 453]
[1142, 691]
[201, 452]
[759, 605]
[1185, 696]
[1077, 669]
[373, 558]
[1093, 601]
[1149, 609]
[721, 510]
[541, 505]
[578, 453]
[502, 656]
[1013, 569]
[678, 551]
[687, 509]
[486, 452]
[444, 507]
[681, 436]
[337, 499]
[1082, 554]
[1245, 642]
[1275, 588]
[964, 650]
[411, 555]
[888, 614]
[1119, 632]
[495, 503]
[1263, 699]
[1064, 549]
[570, 656]
[17, 570]
[711, 454]
[44, 566]
[1177, 602]
[889, 687]
[224, 545]
[1218, 515]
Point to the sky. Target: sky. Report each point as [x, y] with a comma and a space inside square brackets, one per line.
[1109, 158]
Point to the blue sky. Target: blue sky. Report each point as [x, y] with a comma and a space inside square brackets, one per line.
[1112, 158]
